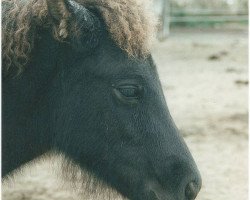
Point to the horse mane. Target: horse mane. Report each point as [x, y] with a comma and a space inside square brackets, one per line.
[129, 22]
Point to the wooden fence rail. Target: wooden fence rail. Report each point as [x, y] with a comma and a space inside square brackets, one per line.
[168, 16]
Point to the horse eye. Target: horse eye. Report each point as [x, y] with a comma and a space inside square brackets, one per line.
[128, 94]
[129, 91]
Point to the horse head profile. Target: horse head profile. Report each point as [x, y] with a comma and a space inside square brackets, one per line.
[79, 80]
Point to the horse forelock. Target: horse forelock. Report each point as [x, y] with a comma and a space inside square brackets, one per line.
[129, 22]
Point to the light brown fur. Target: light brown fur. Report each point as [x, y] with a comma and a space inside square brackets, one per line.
[129, 22]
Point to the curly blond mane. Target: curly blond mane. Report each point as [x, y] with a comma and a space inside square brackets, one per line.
[129, 22]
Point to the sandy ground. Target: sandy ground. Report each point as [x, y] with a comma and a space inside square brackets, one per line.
[205, 79]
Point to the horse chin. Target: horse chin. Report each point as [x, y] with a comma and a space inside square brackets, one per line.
[89, 187]
[157, 192]
[83, 182]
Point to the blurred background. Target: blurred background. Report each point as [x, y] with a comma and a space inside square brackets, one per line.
[198, 13]
[202, 59]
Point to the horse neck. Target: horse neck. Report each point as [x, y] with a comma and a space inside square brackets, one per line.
[27, 107]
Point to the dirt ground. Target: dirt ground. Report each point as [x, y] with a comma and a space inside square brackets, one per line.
[204, 74]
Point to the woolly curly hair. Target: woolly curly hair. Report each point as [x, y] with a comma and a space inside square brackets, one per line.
[129, 22]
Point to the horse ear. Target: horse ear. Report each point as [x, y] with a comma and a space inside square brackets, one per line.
[58, 9]
[59, 12]
[68, 12]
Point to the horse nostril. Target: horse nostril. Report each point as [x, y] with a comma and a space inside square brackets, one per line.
[191, 190]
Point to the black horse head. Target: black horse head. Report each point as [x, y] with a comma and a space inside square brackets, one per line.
[104, 110]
